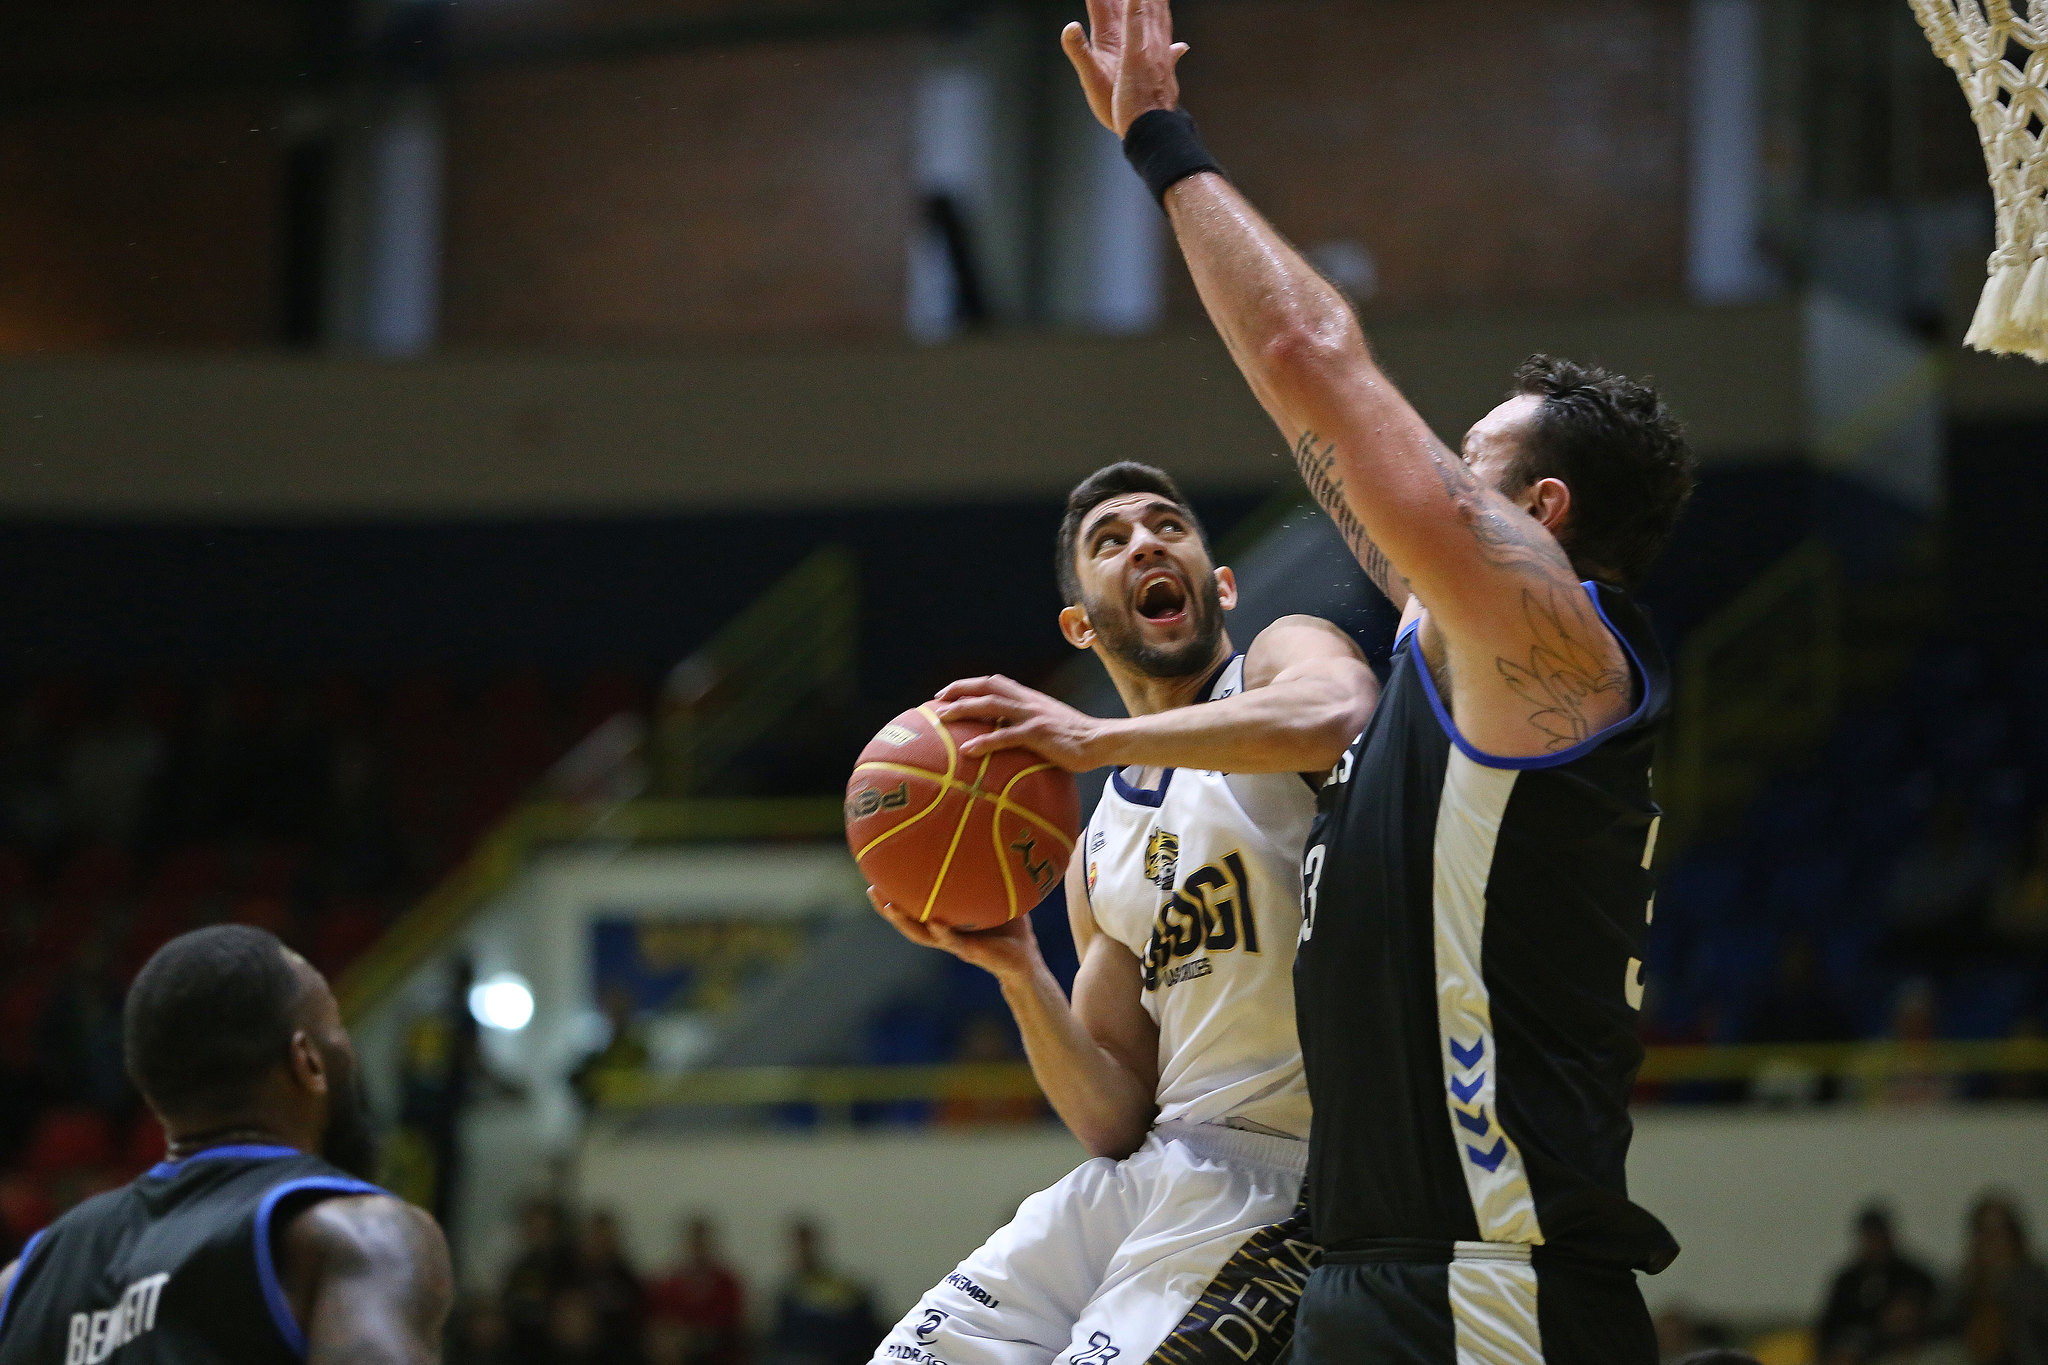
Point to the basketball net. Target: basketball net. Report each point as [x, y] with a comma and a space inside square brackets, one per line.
[1979, 40]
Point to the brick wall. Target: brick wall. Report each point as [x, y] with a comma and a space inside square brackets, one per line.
[1530, 152]
[138, 228]
[760, 191]
[757, 192]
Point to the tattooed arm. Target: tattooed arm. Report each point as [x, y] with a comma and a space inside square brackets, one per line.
[369, 1281]
[1527, 661]
[1317, 461]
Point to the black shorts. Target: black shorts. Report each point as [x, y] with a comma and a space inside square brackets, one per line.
[1487, 1306]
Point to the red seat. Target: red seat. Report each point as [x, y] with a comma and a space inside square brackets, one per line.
[145, 1145]
[69, 1139]
[262, 912]
[345, 928]
[25, 1209]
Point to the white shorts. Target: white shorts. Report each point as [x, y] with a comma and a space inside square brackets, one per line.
[1194, 1249]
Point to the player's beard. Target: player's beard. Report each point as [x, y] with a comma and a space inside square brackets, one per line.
[1117, 624]
[348, 1142]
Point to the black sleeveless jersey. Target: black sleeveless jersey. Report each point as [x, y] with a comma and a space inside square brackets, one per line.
[175, 1268]
[1469, 976]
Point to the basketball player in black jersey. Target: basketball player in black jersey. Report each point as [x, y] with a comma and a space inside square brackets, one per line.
[256, 1239]
[1477, 882]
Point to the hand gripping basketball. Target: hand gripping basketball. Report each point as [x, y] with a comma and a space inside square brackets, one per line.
[966, 842]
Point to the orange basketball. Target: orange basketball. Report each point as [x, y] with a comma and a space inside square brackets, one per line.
[967, 842]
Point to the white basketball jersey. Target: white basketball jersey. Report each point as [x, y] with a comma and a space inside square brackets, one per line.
[1201, 878]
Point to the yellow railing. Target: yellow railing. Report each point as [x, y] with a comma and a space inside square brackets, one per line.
[1996, 1057]
[836, 1087]
[790, 646]
[499, 856]
[831, 1086]
[1758, 684]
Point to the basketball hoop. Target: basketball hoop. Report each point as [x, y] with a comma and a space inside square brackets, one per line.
[1996, 48]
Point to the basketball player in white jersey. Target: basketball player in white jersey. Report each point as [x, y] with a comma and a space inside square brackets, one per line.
[1175, 1062]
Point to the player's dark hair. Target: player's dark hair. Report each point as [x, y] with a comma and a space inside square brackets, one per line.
[1111, 481]
[1620, 451]
[207, 1017]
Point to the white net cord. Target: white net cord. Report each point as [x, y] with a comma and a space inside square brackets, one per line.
[1997, 54]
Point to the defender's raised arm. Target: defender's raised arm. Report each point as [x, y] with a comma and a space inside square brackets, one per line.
[1487, 551]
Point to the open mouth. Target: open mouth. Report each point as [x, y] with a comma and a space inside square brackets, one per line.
[1162, 598]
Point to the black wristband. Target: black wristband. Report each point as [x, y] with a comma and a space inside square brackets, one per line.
[1164, 149]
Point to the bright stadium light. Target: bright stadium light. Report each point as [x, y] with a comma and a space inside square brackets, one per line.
[503, 1001]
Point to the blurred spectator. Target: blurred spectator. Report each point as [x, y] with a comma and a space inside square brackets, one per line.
[1940, 885]
[109, 773]
[1800, 1006]
[821, 1316]
[575, 1336]
[668, 1343]
[544, 1269]
[1906, 1074]
[1904, 1338]
[2001, 1305]
[624, 1052]
[478, 1335]
[1851, 1329]
[701, 1302]
[612, 1287]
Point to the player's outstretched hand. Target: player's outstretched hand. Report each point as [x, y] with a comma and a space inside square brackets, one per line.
[1006, 950]
[1125, 59]
[1025, 719]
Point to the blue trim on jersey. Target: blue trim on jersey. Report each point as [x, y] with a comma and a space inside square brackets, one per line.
[1562, 756]
[1138, 795]
[20, 1273]
[243, 1151]
[266, 1260]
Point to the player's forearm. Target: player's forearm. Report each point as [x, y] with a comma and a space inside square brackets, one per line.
[1291, 726]
[1299, 345]
[1107, 1107]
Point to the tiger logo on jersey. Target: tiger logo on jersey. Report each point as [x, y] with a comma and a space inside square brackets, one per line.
[1162, 858]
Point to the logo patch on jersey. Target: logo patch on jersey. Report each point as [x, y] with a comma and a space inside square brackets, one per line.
[934, 1319]
[1099, 1351]
[1092, 870]
[1162, 858]
[972, 1291]
[95, 1336]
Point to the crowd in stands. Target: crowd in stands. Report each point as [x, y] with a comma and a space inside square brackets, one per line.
[573, 1297]
[1896, 887]
[131, 812]
[1887, 1307]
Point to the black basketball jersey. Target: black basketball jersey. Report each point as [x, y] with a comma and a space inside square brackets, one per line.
[175, 1268]
[1469, 976]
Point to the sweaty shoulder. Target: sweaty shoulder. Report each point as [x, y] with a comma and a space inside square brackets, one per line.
[372, 1267]
[1293, 640]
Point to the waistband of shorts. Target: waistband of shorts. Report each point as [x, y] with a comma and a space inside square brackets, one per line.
[1238, 1145]
[1428, 1251]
